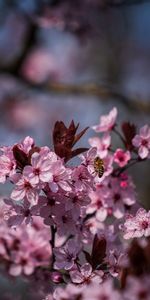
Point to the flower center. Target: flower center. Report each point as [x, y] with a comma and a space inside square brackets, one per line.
[144, 143]
[27, 185]
[37, 172]
[27, 213]
[144, 224]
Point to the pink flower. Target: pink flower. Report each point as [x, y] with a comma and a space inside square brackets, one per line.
[107, 122]
[60, 177]
[82, 179]
[88, 158]
[137, 226]
[98, 204]
[65, 256]
[121, 196]
[19, 213]
[121, 157]
[24, 189]
[142, 141]
[86, 275]
[116, 260]
[77, 202]
[27, 144]
[71, 292]
[7, 166]
[137, 288]
[65, 220]
[102, 144]
[40, 169]
[103, 291]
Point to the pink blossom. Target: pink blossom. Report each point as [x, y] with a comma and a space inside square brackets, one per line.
[98, 204]
[26, 248]
[107, 122]
[102, 144]
[49, 207]
[19, 213]
[137, 288]
[116, 260]
[27, 144]
[7, 166]
[88, 161]
[23, 188]
[60, 177]
[82, 179]
[86, 275]
[104, 291]
[120, 196]
[66, 256]
[142, 142]
[137, 226]
[77, 202]
[65, 220]
[88, 158]
[122, 157]
[30, 250]
[71, 292]
[39, 171]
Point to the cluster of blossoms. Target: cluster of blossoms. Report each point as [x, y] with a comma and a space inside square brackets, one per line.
[89, 207]
[25, 249]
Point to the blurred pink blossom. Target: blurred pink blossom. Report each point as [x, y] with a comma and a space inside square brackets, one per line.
[107, 122]
[142, 142]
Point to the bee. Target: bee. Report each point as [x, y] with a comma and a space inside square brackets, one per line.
[99, 166]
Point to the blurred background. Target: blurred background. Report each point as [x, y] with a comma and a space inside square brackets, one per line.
[72, 59]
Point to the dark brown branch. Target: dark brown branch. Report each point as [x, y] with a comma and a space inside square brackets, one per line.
[113, 3]
[103, 92]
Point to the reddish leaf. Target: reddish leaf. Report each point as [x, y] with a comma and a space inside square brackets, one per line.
[20, 157]
[129, 131]
[65, 138]
[98, 251]
[78, 136]
[88, 257]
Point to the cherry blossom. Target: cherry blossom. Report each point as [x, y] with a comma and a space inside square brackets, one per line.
[24, 189]
[120, 197]
[66, 256]
[60, 177]
[70, 293]
[107, 122]
[142, 142]
[39, 169]
[101, 292]
[7, 164]
[121, 157]
[137, 289]
[82, 179]
[27, 144]
[77, 203]
[138, 225]
[28, 247]
[102, 144]
[65, 220]
[19, 213]
[86, 275]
